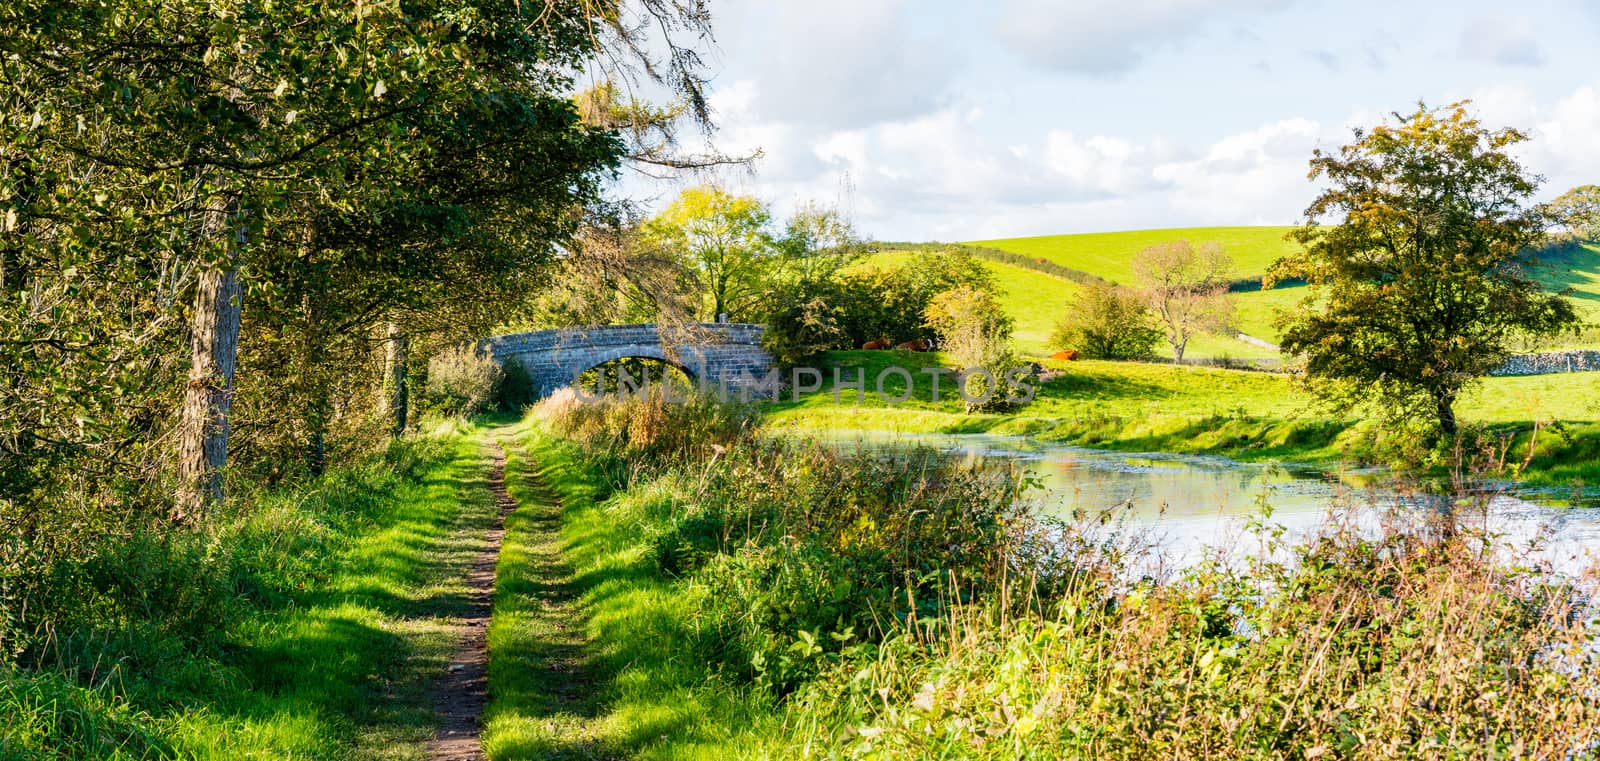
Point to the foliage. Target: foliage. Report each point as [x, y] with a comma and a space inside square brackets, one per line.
[653, 429]
[349, 170]
[462, 380]
[1422, 279]
[796, 552]
[1186, 288]
[1400, 646]
[803, 327]
[724, 240]
[817, 242]
[976, 334]
[1578, 210]
[875, 302]
[1107, 322]
[905, 605]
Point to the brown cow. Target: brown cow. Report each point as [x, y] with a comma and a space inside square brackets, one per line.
[1068, 355]
[921, 344]
[882, 343]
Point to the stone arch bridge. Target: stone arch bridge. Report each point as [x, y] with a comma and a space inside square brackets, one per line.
[710, 353]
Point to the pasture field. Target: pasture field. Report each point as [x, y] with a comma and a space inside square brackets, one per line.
[1161, 407]
[1574, 268]
[1108, 255]
[1036, 300]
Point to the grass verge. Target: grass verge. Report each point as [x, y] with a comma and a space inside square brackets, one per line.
[591, 647]
[328, 628]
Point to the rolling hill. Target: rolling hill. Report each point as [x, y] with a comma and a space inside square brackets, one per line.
[1575, 268]
[1108, 255]
[1036, 299]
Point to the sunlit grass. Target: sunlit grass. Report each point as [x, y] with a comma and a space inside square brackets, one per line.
[636, 689]
[1110, 255]
[336, 669]
[1162, 407]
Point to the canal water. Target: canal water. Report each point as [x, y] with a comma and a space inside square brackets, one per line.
[1185, 508]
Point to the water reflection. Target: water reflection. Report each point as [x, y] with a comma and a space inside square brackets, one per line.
[1193, 506]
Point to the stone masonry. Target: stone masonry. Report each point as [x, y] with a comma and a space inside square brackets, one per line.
[1576, 361]
[710, 353]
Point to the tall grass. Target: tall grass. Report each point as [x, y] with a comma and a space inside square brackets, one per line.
[288, 627]
[912, 607]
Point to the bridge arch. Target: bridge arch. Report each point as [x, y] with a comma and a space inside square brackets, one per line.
[710, 353]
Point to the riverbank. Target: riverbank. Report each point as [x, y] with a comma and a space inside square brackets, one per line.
[1245, 415]
[838, 605]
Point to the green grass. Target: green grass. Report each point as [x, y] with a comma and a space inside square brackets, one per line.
[1036, 301]
[1110, 255]
[1160, 407]
[1254, 249]
[626, 631]
[333, 666]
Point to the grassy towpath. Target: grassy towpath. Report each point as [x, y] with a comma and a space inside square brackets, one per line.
[592, 650]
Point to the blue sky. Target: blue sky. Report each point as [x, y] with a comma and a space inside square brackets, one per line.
[944, 120]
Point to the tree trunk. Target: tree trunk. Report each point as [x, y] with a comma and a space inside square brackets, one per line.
[203, 437]
[1446, 404]
[313, 376]
[395, 398]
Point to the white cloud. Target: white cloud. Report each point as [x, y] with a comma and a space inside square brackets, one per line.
[843, 63]
[1254, 177]
[1103, 37]
[1571, 135]
[1509, 41]
[1564, 137]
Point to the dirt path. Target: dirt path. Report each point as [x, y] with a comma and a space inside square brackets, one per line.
[462, 694]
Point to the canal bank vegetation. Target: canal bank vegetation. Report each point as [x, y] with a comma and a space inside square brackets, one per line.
[781, 599]
[1246, 415]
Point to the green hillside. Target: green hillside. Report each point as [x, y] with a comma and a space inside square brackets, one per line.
[1036, 300]
[1253, 249]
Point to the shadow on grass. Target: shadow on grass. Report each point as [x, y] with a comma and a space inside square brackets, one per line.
[345, 670]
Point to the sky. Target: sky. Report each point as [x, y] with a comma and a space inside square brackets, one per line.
[946, 120]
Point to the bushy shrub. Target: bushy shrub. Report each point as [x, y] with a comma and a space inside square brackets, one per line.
[1403, 645]
[462, 380]
[803, 326]
[975, 332]
[650, 430]
[797, 550]
[1107, 322]
[888, 302]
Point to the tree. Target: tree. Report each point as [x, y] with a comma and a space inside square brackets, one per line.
[1579, 211]
[975, 333]
[817, 242]
[1422, 274]
[888, 301]
[725, 241]
[1186, 288]
[285, 177]
[1106, 321]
